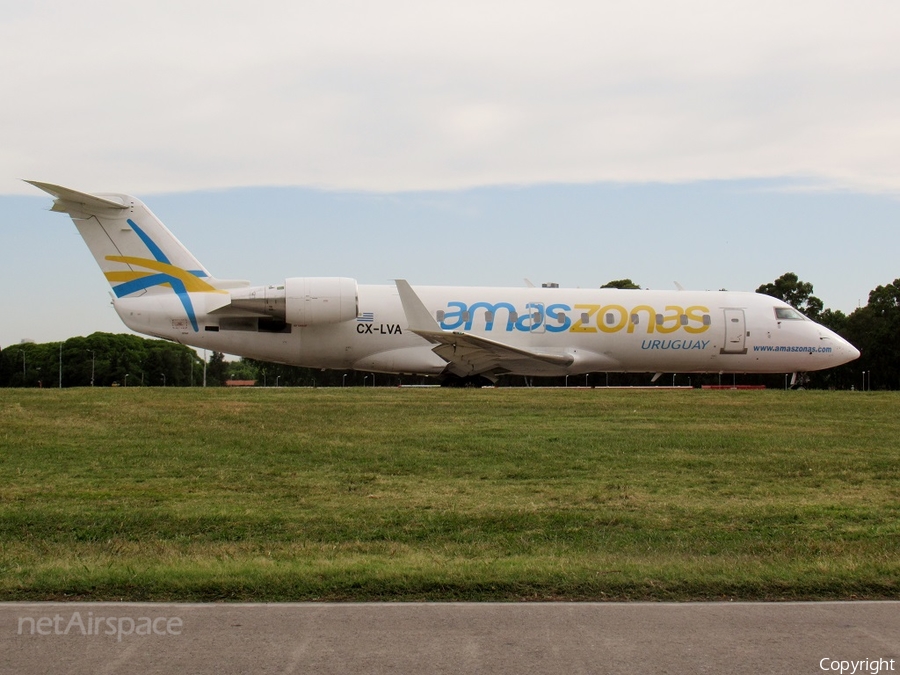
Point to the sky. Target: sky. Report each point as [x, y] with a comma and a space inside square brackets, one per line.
[715, 144]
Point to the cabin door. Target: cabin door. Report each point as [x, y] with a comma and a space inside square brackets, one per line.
[735, 332]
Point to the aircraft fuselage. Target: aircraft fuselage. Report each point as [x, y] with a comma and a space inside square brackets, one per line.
[602, 330]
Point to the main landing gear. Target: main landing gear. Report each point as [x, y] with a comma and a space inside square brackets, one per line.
[476, 381]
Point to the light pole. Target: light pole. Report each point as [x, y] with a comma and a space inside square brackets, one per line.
[278, 377]
[864, 381]
[92, 366]
[344, 380]
[126, 379]
[164, 378]
[365, 377]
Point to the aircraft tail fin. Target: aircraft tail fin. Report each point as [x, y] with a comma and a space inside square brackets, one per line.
[136, 252]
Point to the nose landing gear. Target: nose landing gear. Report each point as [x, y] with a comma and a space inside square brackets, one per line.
[799, 380]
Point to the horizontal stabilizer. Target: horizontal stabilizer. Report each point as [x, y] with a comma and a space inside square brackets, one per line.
[68, 196]
[228, 284]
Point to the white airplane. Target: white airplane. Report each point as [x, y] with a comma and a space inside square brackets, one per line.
[455, 332]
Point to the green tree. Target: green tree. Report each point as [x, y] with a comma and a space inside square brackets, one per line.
[834, 319]
[796, 293]
[873, 329]
[621, 283]
[242, 370]
[217, 370]
[107, 359]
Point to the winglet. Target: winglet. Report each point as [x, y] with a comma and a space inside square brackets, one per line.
[417, 315]
[70, 196]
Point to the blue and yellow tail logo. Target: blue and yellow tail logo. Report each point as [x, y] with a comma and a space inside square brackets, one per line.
[160, 273]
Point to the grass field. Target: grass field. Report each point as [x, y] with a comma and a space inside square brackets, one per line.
[504, 494]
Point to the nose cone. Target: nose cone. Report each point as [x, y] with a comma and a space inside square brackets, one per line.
[844, 352]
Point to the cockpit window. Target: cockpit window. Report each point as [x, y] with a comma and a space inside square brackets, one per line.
[788, 313]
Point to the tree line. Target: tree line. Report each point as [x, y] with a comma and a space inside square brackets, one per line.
[106, 359]
[873, 329]
[101, 360]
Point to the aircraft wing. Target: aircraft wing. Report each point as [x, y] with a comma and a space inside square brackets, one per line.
[468, 354]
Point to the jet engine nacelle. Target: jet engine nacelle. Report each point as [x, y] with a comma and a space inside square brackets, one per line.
[303, 301]
[310, 301]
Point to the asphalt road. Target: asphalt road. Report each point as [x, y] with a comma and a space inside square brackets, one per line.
[420, 638]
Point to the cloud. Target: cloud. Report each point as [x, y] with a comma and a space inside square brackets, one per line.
[169, 96]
